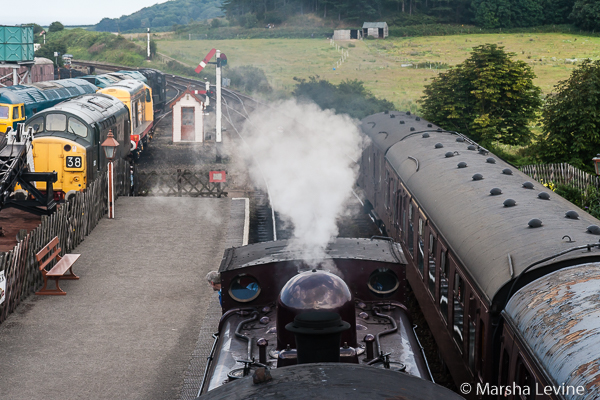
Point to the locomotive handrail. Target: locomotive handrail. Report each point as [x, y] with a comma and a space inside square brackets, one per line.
[209, 360]
[244, 337]
[386, 332]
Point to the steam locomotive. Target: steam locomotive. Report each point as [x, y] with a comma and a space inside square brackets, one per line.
[335, 328]
[505, 271]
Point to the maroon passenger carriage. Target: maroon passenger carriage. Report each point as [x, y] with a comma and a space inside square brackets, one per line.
[343, 321]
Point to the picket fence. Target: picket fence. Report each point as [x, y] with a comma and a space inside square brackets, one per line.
[561, 174]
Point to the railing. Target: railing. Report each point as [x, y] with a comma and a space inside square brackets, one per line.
[178, 183]
[71, 223]
[561, 174]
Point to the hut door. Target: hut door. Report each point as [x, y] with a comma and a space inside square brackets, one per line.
[187, 124]
[380, 32]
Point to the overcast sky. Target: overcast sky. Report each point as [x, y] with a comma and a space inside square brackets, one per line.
[70, 12]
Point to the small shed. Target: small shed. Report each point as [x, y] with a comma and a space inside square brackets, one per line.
[379, 30]
[188, 116]
[347, 34]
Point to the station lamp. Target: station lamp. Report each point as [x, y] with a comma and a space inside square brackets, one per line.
[110, 146]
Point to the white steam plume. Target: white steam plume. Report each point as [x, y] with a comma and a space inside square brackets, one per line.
[306, 155]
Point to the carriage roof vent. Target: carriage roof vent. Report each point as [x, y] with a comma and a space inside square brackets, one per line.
[439, 129]
[439, 145]
[412, 128]
[426, 135]
[392, 115]
[535, 223]
[544, 196]
[507, 171]
[571, 214]
[408, 113]
[509, 203]
[471, 147]
[386, 112]
[477, 177]
[418, 118]
[460, 139]
[528, 185]
[594, 229]
[449, 154]
[491, 160]
[495, 191]
[429, 125]
[462, 164]
[401, 122]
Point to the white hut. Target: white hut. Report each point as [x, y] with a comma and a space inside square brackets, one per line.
[188, 114]
[379, 30]
[347, 34]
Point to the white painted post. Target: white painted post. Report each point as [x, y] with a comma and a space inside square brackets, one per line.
[218, 105]
[148, 43]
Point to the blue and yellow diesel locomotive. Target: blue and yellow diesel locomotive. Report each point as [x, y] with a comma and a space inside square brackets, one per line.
[67, 139]
[19, 102]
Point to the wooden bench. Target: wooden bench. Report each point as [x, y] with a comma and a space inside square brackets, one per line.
[61, 270]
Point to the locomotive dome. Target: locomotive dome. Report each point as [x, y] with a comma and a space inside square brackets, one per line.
[314, 290]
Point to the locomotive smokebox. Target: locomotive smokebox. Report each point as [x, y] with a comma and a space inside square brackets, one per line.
[318, 336]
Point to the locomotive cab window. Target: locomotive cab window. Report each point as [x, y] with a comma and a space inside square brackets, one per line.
[56, 122]
[15, 113]
[4, 112]
[77, 127]
[244, 288]
[383, 282]
[37, 125]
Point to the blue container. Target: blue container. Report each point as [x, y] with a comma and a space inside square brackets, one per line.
[16, 43]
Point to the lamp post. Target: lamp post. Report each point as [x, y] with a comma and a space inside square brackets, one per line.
[596, 161]
[110, 150]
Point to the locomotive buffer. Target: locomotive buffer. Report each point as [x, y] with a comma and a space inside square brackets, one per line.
[16, 162]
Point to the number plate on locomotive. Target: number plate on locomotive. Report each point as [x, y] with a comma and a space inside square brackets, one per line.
[73, 162]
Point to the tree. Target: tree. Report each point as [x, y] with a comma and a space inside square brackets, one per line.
[55, 27]
[571, 120]
[586, 14]
[488, 97]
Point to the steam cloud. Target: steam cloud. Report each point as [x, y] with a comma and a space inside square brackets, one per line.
[306, 156]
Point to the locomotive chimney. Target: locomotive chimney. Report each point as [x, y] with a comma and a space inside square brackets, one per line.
[318, 336]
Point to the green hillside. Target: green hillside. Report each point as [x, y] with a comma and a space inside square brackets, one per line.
[165, 15]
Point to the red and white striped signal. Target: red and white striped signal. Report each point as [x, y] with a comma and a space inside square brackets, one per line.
[203, 63]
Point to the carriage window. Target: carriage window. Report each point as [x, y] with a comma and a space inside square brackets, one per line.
[411, 233]
[431, 268]
[37, 125]
[472, 328]
[480, 347]
[444, 284]
[77, 127]
[4, 112]
[524, 379]
[56, 122]
[421, 255]
[505, 367]
[459, 309]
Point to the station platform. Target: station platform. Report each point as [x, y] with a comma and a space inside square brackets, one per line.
[134, 325]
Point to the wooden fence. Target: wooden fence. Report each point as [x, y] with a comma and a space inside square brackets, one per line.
[71, 223]
[561, 173]
[178, 183]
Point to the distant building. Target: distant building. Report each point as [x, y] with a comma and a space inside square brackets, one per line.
[347, 34]
[378, 30]
[188, 116]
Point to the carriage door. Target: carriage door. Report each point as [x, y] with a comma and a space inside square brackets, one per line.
[187, 124]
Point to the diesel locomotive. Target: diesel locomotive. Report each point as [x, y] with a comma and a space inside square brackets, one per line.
[19, 102]
[137, 97]
[67, 139]
[505, 271]
[342, 319]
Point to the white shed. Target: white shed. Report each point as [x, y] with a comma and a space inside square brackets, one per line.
[347, 34]
[378, 30]
[188, 116]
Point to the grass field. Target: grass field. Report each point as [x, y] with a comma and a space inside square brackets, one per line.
[379, 63]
